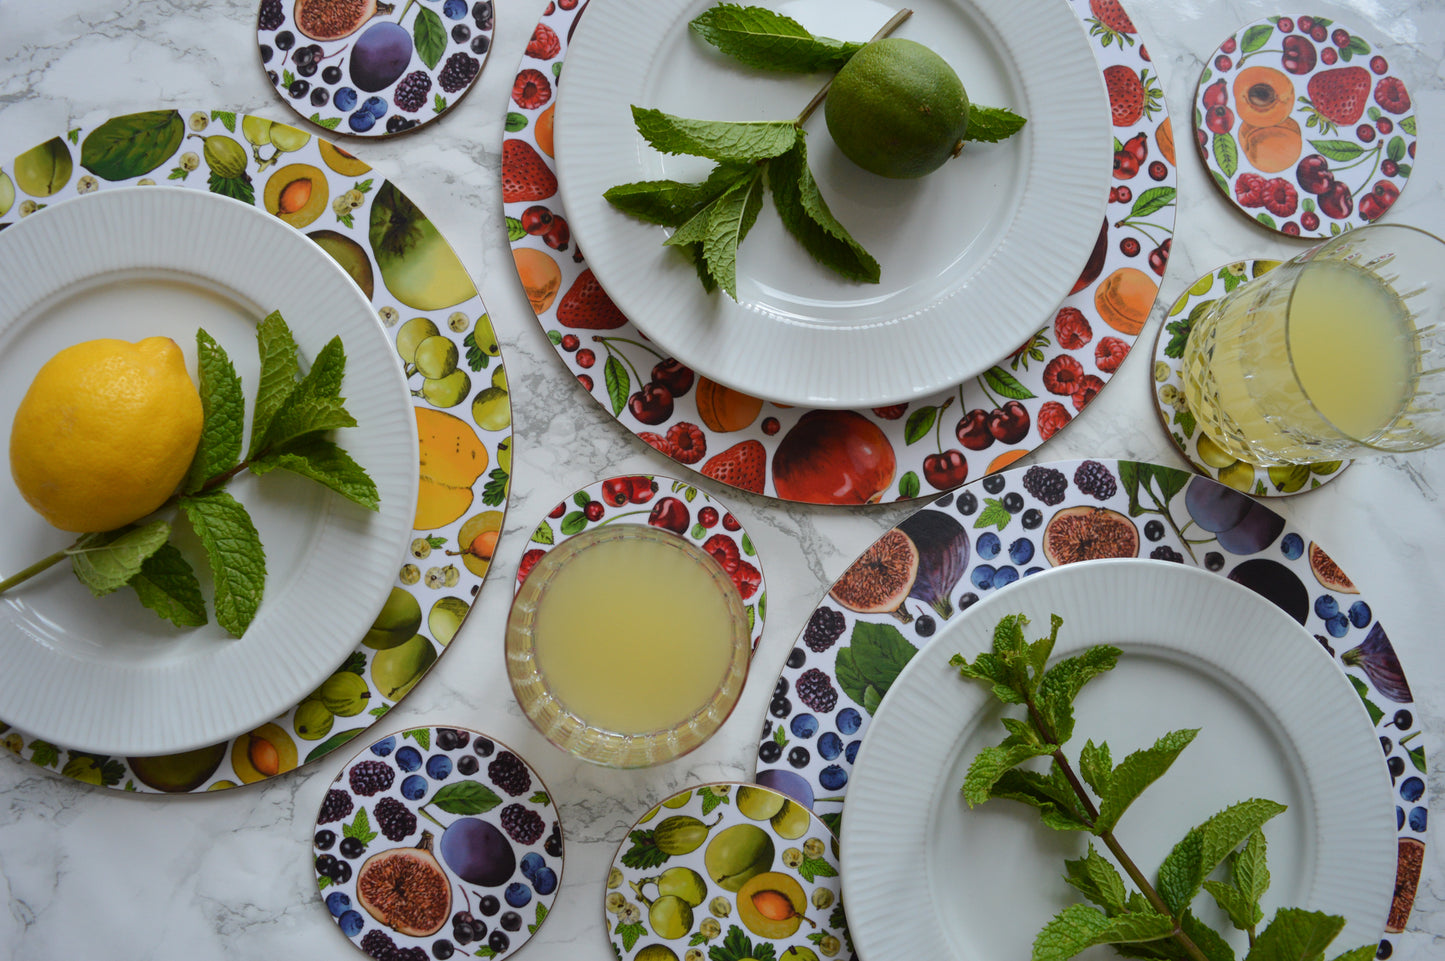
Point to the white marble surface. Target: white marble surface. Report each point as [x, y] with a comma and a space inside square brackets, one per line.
[94, 873]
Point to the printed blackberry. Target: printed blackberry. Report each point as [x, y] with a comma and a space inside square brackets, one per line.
[1093, 478]
[815, 689]
[371, 777]
[1046, 484]
[824, 628]
[522, 824]
[378, 944]
[1166, 553]
[458, 71]
[336, 806]
[509, 773]
[272, 15]
[412, 90]
[394, 818]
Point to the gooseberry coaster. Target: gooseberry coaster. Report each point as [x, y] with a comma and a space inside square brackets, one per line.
[1168, 394]
[435, 841]
[667, 504]
[373, 69]
[1003, 528]
[1303, 125]
[726, 870]
[850, 457]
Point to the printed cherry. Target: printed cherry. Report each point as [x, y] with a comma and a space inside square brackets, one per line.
[1336, 202]
[1299, 55]
[946, 470]
[1010, 423]
[1313, 174]
[972, 430]
[676, 377]
[652, 404]
[670, 514]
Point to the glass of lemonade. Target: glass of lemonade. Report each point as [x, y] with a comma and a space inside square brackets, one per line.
[627, 645]
[1338, 353]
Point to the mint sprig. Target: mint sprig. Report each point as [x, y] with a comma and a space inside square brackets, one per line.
[767, 40]
[1155, 920]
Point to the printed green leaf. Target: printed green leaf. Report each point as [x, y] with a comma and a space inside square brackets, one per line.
[516, 121]
[44, 753]
[919, 423]
[494, 492]
[909, 486]
[543, 534]
[618, 381]
[167, 585]
[992, 124]
[323, 461]
[430, 36]
[1152, 201]
[813, 868]
[106, 561]
[514, 234]
[1136, 772]
[806, 215]
[1407, 124]
[736, 946]
[871, 660]
[1255, 37]
[224, 407]
[359, 828]
[1220, 182]
[132, 145]
[336, 740]
[761, 38]
[994, 514]
[1395, 149]
[644, 852]
[1002, 382]
[731, 141]
[330, 123]
[1265, 219]
[237, 188]
[1226, 154]
[629, 933]
[466, 797]
[420, 735]
[233, 548]
[1341, 150]
[227, 118]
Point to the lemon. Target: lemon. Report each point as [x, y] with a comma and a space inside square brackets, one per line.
[897, 109]
[105, 433]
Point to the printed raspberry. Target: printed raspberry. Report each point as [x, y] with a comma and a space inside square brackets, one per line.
[271, 15]
[1071, 329]
[1109, 353]
[658, 443]
[394, 818]
[378, 944]
[1089, 388]
[1052, 418]
[522, 824]
[724, 550]
[824, 628]
[1093, 478]
[531, 89]
[1046, 484]
[1249, 190]
[509, 773]
[371, 777]
[815, 689]
[1062, 374]
[411, 92]
[1166, 553]
[544, 44]
[1280, 197]
[336, 806]
[689, 443]
[458, 71]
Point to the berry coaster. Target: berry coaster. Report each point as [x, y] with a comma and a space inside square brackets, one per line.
[349, 66]
[1196, 446]
[726, 870]
[682, 509]
[1303, 126]
[438, 840]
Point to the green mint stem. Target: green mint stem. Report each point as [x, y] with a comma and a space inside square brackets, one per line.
[893, 23]
[33, 569]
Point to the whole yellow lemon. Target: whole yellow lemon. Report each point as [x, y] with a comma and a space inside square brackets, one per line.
[105, 433]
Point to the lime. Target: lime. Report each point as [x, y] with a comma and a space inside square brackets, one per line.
[897, 109]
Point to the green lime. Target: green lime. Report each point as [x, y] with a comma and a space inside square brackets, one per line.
[897, 109]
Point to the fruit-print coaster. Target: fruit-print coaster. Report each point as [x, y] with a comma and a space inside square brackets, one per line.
[1206, 456]
[401, 262]
[1303, 126]
[726, 871]
[850, 457]
[438, 841]
[940, 560]
[373, 69]
[668, 504]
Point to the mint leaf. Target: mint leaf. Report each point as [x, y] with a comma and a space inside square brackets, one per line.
[806, 215]
[279, 370]
[673, 203]
[992, 124]
[1294, 934]
[758, 37]
[225, 413]
[992, 763]
[105, 561]
[1136, 772]
[325, 462]
[1096, 766]
[233, 548]
[324, 377]
[1079, 926]
[1097, 880]
[1062, 683]
[729, 219]
[303, 415]
[1206, 846]
[1051, 793]
[715, 139]
[167, 585]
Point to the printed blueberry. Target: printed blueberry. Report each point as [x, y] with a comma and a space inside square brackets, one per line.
[374, 106]
[1399, 817]
[988, 545]
[1412, 788]
[849, 720]
[408, 758]
[1021, 551]
[532, 862]
[1418, 818]
[413, 787]
[833, 777]
[1360, 614]
[803, 725]
[545, 882]
[1154, 530]
[1403, 719]
[1292, 545]
[1005, 576]
[852, 752]
[1337, 625]
[517, 894]
[361, 121]
[455, 9]
[982, 576]
[351, 923]
[1326, 606]
[439, 766]
[830, 746]
[384, 747]
[1032, 570]
[337, 903]
[344, 99]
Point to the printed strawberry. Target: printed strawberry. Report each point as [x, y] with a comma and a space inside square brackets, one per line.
[525, 175]
[1111, 22]
[1339, 96]
[1131, 95]
[742, 466]
[586, 306]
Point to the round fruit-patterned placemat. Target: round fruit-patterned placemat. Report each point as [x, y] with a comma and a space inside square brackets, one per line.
[1303, 127]
[438, 841]
[1196, 446]
[726, 870]
[671, 505]
[428, 303]
[941, 559]
[850, 456]
[373, 69]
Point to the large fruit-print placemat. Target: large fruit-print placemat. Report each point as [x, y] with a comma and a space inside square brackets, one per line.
[941, 559]
[371, 70]
[426, 299]
[726, 871]
[850, 456]
[1303, 127]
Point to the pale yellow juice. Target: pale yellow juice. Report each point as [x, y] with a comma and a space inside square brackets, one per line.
[1282, 374]
[635, 634]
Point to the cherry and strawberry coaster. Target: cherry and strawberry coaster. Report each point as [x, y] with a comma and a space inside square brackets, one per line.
[667, 504]
[1167, 388]
[1304, 126]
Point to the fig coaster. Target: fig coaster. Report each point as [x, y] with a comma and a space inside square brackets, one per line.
[1304, 126]
[437, 841]
[668, 504]
[373, 69]
[1168, 393]
[726, 870]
